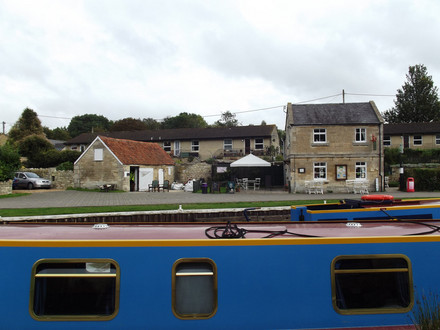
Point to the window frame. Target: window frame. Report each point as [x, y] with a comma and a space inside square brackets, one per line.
[360, 135]
[227, 146]
[376, 310]
[259, 145]
[98, 154]
[320, 166]
[417, 140]
[437, 139]
[174, 275]
[387, 140]
[166, 145]
[195, 145]
[317, 135]
[360, 165]
[73, 317]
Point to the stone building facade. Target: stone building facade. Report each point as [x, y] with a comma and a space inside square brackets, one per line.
[333, 143]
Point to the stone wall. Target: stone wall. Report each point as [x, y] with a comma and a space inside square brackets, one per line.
[60, 179]
[187, 171]
[6, 187]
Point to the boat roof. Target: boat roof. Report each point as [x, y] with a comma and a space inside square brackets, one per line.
[203, 231]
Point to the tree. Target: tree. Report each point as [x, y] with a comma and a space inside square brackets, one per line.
[128, 124]
[9, 162]
[27, 124]
[185, 120]
[33, 147]
[151, 123]
[227, 120]
[59, 133]
[88, 123]
[417, 101]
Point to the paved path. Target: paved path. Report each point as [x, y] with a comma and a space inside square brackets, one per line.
[71, 198]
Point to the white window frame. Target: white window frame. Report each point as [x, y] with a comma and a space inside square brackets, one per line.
[320, 168]
[318, 133]
[361, 135]
[360, 170]
[259, 144]
[417, 140]
[195, 145]
[437, 139]
[387, 140]
[166, 146]
[98, 155]
[227, 144]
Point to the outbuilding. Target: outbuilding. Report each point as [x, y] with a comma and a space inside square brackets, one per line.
[124, 164]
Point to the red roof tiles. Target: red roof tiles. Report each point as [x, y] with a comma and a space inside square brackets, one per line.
[131, 152]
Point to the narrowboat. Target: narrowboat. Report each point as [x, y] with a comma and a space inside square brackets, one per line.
[370, 207]
[277, 275]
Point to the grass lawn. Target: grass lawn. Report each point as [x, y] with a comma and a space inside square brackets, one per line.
[159, 207]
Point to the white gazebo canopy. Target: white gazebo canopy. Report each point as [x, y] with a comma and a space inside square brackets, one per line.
[250, 161]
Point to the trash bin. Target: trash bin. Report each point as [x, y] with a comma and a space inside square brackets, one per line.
[231, 187]
[410, 185]
[204, 188]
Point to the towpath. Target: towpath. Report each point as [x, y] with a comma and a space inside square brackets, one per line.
[71, 198]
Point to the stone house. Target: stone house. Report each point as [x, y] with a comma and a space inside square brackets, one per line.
[412, 135]
[333, 144]
[126, 164]
[204, 143]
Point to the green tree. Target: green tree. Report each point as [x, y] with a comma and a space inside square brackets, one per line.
[151, 123]
[9, 162]
[33, 147]
[59, 133]
[185, 120]
[27, 124]
[417, 101]
[227, 120]
[128, 124]
[88, 123]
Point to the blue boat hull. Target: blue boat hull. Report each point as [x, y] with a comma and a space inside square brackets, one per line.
[262, 284]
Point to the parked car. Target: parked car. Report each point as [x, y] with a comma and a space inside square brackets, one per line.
[30, 180]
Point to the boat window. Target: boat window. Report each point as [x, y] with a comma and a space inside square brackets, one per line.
[194, 288]
[372, 284]
[73, 289]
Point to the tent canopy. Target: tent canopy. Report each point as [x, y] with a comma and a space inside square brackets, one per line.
[250, 161]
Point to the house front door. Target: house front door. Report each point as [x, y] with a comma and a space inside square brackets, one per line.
[177, 148]
[247, 146]
[161, 176]
[145, 178]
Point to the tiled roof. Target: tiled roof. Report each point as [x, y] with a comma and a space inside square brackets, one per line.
[212, 133]
[137, 153]
[411, 128]
[334, 114]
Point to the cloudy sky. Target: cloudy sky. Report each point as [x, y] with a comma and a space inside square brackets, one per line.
[158, 58]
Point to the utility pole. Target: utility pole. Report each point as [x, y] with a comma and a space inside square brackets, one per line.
[343, 96]
[3, 127]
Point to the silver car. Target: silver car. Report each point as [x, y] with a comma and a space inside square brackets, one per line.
[30, 180]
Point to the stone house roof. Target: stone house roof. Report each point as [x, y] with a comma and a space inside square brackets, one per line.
[212, 133]
[335, 114]
[412, 128]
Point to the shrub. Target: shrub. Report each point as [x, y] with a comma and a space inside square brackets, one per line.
[66, 166]
[9, 162]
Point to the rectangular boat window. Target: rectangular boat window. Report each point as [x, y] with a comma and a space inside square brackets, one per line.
[74, 289]
[372, 284]
[194, 288]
